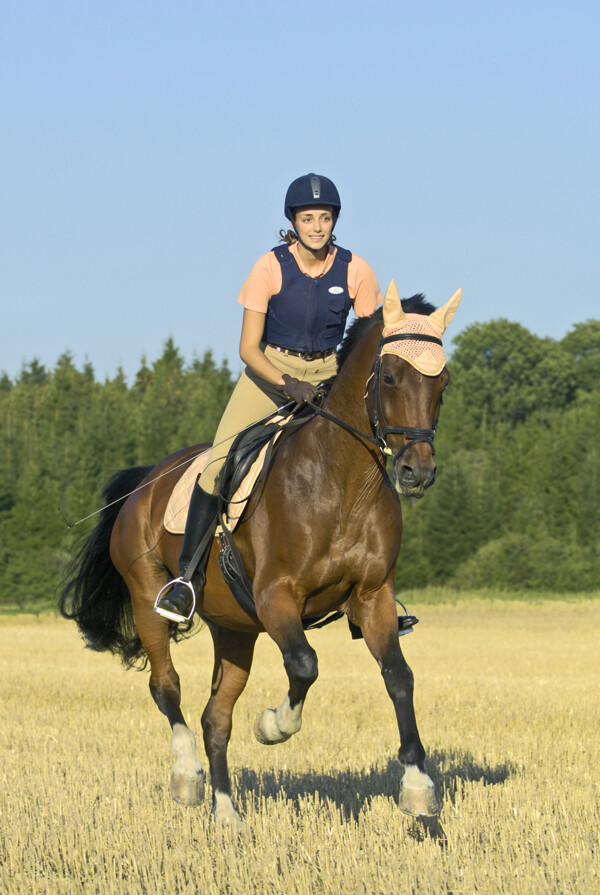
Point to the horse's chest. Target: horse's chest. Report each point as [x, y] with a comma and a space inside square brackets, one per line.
[342, 566]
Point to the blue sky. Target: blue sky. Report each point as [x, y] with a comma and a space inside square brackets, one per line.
[147, 147]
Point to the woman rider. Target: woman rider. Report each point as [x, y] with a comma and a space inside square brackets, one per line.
[296, 302]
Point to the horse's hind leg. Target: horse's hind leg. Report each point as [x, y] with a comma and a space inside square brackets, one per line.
[233, 659]
[187, 774]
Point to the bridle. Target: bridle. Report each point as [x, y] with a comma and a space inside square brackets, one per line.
[380, 427]
[382, 430]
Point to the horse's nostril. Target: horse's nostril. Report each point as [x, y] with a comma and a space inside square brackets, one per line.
[407, 476]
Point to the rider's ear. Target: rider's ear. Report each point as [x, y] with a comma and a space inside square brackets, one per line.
[392, 306]
[442, 317]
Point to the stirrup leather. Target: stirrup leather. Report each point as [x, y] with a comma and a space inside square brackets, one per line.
[165, 612]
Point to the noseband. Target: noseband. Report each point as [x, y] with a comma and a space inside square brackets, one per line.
[382, 430]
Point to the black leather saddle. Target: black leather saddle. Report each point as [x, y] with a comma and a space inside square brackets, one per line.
[247, 446]
[242, 454]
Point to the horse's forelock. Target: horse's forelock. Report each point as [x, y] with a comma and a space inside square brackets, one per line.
[417, 304]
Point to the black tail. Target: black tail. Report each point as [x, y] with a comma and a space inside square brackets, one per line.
[96, 596]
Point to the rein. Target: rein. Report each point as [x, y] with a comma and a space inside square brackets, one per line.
[382, 430]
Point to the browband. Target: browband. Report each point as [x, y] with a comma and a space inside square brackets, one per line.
[412, 337]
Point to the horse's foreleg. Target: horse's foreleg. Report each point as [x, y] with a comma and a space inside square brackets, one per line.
[233, 659]
[187, 774]
[300, 661]
[379, 624]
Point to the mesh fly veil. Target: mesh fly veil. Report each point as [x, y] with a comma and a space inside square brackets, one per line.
[426, 357]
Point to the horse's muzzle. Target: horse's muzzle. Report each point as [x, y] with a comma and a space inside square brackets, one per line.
[413, 480]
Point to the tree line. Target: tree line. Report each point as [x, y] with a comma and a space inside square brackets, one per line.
[515, 503]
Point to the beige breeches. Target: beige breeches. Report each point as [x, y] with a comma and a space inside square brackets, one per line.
[253, 398]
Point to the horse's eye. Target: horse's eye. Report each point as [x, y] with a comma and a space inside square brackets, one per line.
[388, 379]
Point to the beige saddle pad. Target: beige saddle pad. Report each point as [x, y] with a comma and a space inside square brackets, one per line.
[177, 508]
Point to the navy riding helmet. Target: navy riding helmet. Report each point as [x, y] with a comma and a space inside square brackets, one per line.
[311, 189]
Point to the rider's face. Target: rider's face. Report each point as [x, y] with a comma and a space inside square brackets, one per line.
[314, 226]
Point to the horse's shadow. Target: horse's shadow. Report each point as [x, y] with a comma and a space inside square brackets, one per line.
[353, 790]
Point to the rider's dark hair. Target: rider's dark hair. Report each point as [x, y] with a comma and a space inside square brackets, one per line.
[288, 236]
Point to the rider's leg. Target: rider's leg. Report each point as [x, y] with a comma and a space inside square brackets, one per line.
[178, 603]
[247, 404]
[251, 400]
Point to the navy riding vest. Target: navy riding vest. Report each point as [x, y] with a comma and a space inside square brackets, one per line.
[309, 314]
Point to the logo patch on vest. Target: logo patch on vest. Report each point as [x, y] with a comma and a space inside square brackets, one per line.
[336, 290]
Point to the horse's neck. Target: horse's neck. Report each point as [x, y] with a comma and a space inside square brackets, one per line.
[346, 401]
[347, 397]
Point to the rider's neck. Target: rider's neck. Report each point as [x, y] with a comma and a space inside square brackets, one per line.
[312, 260]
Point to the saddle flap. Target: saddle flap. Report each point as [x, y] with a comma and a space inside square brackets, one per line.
[236, 480]
[179, 501]
[242, 454]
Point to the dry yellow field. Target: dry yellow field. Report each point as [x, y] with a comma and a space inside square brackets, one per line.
[508, 709]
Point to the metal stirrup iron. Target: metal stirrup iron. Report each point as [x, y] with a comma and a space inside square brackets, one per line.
[169, 584]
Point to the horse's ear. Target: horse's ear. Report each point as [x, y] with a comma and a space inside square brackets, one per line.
[442, 317]
[392, 306]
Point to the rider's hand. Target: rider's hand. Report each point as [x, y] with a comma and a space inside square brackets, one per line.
[298, 390]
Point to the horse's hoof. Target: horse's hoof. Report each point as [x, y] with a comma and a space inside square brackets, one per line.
[266, 730]
[226, 817]
[187, 774]
[188, 789]
[417, 794]
[418, 803]
[233, 826]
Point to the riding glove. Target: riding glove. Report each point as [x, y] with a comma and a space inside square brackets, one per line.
[298, 390]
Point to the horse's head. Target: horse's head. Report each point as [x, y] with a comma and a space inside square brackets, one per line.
[406, 394]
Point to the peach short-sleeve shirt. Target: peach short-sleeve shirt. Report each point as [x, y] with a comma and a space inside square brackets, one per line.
[265, 281]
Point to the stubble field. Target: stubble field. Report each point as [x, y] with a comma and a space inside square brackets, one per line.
[508, 710]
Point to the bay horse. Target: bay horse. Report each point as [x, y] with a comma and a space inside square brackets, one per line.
[323, 534]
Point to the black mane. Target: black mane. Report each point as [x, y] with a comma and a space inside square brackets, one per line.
[416, 304]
